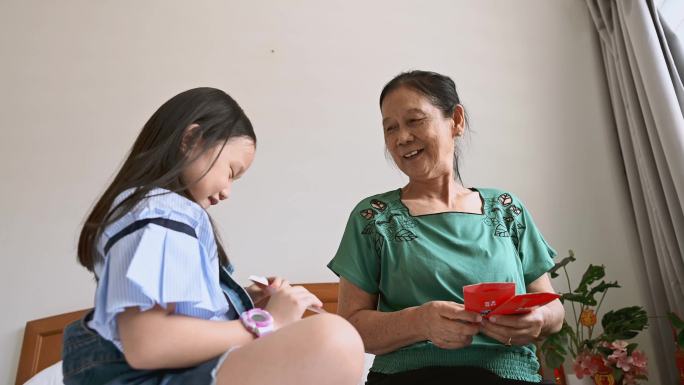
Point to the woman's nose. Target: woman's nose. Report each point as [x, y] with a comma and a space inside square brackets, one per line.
[404, 136]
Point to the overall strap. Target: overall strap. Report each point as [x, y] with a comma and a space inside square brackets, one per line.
[227, 281]
[137, 225]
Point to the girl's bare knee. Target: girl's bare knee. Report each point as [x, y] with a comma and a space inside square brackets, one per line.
[325, 342]
[334, 336]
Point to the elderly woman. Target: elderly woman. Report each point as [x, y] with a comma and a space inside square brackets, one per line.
[406, 254]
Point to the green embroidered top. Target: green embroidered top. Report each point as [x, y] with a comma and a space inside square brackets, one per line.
[410, 260]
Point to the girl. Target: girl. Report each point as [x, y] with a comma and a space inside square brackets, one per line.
[166, 308]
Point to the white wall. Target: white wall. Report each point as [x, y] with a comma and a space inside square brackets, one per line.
[79, 78]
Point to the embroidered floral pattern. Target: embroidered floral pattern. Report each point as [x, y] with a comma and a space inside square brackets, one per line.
[368, 213]
[503, 216]
[389, 221]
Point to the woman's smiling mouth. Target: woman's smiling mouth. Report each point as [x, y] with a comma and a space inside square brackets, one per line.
[412, 154]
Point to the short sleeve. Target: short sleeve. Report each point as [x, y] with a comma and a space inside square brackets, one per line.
[535, 253]
[157, 262]
[356, 259]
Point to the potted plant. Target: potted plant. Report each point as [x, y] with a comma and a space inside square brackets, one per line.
[605, 356]
[678, 331]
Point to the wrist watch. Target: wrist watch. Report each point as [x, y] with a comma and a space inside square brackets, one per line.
[258, 321]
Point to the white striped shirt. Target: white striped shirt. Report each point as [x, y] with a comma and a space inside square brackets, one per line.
[162, 251]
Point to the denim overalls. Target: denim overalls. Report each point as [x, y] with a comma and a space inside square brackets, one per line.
[90, 359]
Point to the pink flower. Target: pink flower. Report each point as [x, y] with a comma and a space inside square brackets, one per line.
[624, 362]
[621, 360]
[639, 359]
[587, 364]
[620, 345]
[629, 379]
[617, 355]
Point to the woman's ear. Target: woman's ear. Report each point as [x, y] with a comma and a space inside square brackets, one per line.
[458, 118]
[187, 135]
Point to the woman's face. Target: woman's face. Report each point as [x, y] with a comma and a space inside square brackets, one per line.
[418, 135]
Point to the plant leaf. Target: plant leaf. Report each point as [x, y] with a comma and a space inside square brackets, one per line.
[582, 298]
[631, 347]
[603, 286]
[600, 288]
[676, 321]
[554, 359]
[593, 274]
[617, 374]
[561, 263]
[624, 324]
[553, 349]
[605, 351]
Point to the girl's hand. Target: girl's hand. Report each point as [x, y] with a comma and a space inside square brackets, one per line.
[288, 304]
[261, 294]
[520, 329]
[448, 325]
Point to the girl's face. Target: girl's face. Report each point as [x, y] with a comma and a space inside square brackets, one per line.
[232, 162]
[418, 135]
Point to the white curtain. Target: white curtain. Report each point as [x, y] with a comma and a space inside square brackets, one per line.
[648, 99]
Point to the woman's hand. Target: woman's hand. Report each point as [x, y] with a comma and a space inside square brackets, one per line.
[528, 328]
[448, 325]
[261, 294]
[521, 329]
[288, 304]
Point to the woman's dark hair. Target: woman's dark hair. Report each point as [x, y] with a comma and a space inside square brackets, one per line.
[440, 90]
[160, 154]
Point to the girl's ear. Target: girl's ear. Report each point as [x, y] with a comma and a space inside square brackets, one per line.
[459, 121]
[185, 141]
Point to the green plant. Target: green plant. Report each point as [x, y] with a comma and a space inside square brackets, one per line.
[678, 326]
[595, 352]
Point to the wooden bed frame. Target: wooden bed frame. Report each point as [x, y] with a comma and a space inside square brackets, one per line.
[42, 344]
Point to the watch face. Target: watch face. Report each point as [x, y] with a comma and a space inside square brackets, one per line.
[258, 321]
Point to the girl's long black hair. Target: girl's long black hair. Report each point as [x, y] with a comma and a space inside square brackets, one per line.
[157, 160]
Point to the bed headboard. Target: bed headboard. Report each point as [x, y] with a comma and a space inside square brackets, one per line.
[42, 344]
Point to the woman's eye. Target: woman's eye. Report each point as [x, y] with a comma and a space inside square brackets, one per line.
[390, 128]
[415, 121]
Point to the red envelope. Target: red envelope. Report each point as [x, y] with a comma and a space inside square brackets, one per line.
[491, 298]
[524, 303]
[483, 298]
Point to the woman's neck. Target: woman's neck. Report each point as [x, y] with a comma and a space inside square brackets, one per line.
[439, 194]
[442, 189]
